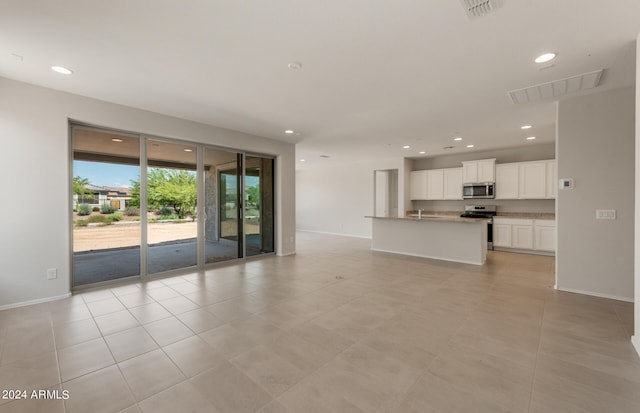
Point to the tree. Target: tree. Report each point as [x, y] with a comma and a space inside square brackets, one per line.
[135, 193]
[80, 185]
[253, 195]
[80, 188]
[168, 187]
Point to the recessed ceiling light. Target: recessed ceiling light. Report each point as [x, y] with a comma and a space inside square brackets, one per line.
[422, 152]
[62, 70]
[295, 65]
[469, 146]
[544, 58]
[530, 138]
[116, 140]
[288, 131]
[459, 138]
[188, 150]
[526, 127]
[406, 147]
[303, 160]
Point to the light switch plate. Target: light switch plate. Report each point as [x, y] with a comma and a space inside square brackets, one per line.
[605, 214]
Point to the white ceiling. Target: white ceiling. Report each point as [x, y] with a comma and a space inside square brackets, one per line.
[376, 74]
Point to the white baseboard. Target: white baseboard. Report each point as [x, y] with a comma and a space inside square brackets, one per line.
[635, 340]
[609, 296]
[334, 233]
[36, 301]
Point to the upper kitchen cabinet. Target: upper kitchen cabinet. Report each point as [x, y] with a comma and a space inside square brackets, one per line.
[478, 171]
[552, 179]
[507, 185]
[418, 182]
[533, 180]
[435, 184]
[452, 183]
[526, 180]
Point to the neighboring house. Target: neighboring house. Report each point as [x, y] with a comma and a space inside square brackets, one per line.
[116, 196]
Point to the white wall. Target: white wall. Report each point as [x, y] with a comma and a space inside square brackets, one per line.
[35, 179]
[595, 147]
[336, 198]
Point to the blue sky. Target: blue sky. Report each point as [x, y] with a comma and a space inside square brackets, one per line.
[108, 174]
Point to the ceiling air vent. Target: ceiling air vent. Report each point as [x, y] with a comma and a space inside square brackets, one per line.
[479, 8]
[557, 88]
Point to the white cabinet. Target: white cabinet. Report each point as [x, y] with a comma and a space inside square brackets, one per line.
[478, 171]
[525, 234]
[544, 237]
[452, 183]
[507, 181]
[533, 180]
[552, 179]
[526, 180]
[522, 235]
[501, 234]
[418, 182]
[435, 184]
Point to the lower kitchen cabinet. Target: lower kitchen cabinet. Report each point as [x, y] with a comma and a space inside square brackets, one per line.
[525, 234]
[501, 234]
[522, 236]
[544, 237]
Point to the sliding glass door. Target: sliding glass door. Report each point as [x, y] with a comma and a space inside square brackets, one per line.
[171, 206]
[259, 205]
[223, 232]
[106, 218]
[145, 206]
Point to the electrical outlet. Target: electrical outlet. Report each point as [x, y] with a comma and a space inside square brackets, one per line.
[52, 274]
[605, 214]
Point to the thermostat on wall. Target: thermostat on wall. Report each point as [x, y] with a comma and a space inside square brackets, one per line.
[565, 183]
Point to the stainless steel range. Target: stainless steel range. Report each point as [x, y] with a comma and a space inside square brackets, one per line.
[482, 212]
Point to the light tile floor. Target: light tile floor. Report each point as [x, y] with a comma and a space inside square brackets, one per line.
[336, 328]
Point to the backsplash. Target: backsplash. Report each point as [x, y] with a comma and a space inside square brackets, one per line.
[511, 205]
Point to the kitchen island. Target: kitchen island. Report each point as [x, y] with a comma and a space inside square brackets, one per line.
[441, 237]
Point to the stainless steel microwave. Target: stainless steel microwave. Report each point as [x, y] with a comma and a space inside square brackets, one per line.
[482, 190]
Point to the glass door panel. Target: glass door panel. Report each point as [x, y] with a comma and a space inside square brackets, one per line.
[172, 230]
[259, 213]
[222, 231]
[106, 211]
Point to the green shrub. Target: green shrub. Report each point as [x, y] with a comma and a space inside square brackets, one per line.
[107, 209]
[98, 219]
[96, 209]
[132, 212]
[164, 211]
[115, 217]
[84, 209]
[82, 223]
